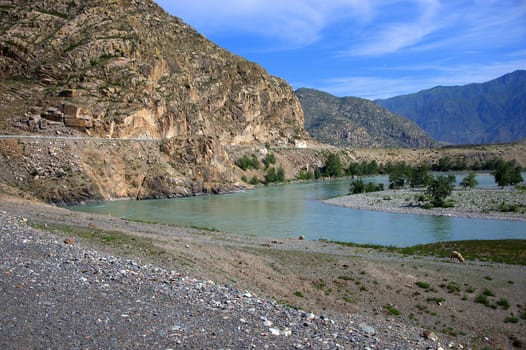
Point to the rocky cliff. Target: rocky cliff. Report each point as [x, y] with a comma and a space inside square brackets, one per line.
[356, 122]
[127, 69]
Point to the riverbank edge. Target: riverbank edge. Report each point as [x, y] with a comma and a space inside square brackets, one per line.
[403, 201]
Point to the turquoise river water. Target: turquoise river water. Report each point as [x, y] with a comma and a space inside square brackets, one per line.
[296, 209]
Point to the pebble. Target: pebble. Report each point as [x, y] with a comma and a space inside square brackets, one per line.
[367, 329]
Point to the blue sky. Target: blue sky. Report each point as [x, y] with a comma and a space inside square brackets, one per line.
[367, 48]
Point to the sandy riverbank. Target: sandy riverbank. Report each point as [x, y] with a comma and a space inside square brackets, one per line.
[475, 203]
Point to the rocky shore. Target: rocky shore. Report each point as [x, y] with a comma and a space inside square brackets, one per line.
[476, 203]
[56, 294]
[72, 280]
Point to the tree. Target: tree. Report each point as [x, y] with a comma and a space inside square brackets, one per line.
[270, 158]
[398, 176]
[439, 189]
[275, 176]
[280, 175]
[357, 186]
[469, 181]
[507, 173]
[270, 176]
[419, 176]
[247, 163]
[333, 166]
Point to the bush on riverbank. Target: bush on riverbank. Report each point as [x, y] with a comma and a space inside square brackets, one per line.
[439, 189]
[358, 186]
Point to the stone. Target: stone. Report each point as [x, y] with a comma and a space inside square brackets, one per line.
[78, 123]
[430, 336]
[274, 331]
[370, 331]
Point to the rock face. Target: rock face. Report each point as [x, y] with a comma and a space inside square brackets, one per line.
[356, 122]
[127, 69]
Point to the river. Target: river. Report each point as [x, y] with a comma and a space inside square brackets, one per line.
[295, 209]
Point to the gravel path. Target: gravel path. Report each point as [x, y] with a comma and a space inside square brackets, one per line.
[476, 203]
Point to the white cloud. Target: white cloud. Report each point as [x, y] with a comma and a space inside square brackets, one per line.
[296, 22]
[372, 87]
[392, 36]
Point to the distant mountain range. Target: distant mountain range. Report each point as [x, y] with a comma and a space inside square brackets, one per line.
[356, 122]
[491, 112]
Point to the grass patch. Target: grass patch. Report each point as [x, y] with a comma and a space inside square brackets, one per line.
[120, 242]
[391, 310]
[470, 289]
[482, 299]
[503, 303]
[423, 285]
[298, 294]
[509, 251]
[452, 287]
[488, 292]
[511, 319]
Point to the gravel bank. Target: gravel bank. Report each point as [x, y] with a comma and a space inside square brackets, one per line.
[476, 203]
[56, 294]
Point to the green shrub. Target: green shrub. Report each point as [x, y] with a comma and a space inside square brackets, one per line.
[452, 287]
[298, 294]
[305, 175]
[423, 285]
[270, 158]
[503, 303]
[392, 310]
[511, 319]
[482, 299]
[246, 162]
[488, 292]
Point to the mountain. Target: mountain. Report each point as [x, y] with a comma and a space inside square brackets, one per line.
[125, 68]
[491, 112]
[356, 122]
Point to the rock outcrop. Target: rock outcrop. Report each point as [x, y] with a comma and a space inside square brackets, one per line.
[127, 69]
